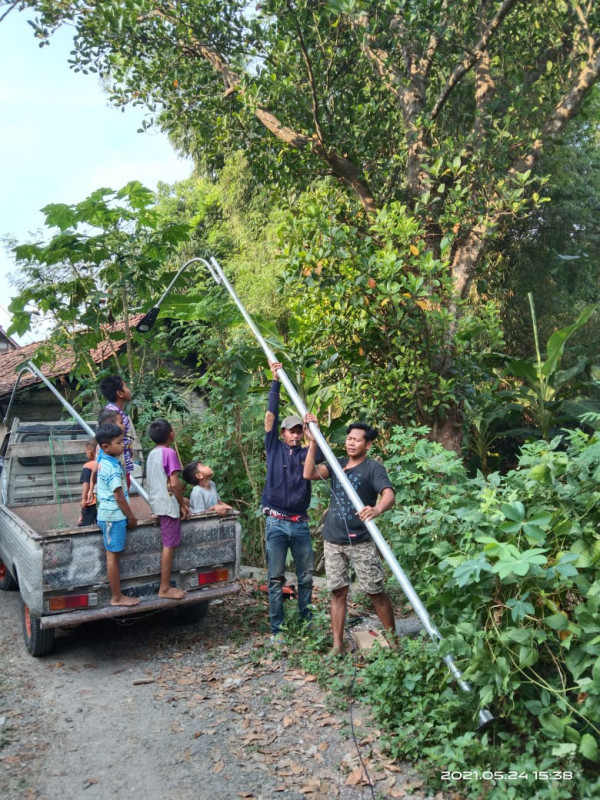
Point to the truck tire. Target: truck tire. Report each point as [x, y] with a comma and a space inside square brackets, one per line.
[193, 613]
[7, 582]
[38, 641]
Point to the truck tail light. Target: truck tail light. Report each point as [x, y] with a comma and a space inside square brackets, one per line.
[214, 576]
[71, 601]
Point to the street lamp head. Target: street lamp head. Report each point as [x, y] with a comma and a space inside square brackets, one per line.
[148, 320]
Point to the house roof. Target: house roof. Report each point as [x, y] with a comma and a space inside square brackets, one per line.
[8, 339]
[62, 365]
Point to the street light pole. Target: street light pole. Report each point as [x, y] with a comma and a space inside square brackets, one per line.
[219, 276]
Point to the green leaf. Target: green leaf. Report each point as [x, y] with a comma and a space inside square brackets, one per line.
[596, 674]
[553, 726]
[589, 747]
[558, 622]
[59, 215]
[469, 571]
[541, 473]
[513, 511]
[564, 749]
[556, 342]
[513, 562]
[520, 608]
[523, 369]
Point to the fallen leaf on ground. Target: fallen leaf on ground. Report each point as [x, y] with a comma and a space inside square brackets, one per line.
[357, 776]
[218, 767]
[391, 767]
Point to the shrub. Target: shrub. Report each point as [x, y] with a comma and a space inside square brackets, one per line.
[507, 567]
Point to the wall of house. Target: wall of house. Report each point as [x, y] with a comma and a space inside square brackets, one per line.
[31, 404]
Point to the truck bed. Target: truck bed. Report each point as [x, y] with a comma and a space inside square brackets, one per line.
[73, 559]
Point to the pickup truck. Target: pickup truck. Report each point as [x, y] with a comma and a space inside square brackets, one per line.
[60, 568]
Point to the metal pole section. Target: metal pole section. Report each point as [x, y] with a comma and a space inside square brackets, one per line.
[32, 368]
[170, 286]
[219, 276]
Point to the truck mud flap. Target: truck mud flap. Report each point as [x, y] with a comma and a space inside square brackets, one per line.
[71, 619]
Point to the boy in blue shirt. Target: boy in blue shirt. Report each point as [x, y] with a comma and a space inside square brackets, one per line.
[114, 512]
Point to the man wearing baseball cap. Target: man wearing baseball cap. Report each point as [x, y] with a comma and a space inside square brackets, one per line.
[285, 500]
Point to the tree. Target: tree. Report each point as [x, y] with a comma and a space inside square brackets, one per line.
[107, 252]
[556, 251]
[443, 107]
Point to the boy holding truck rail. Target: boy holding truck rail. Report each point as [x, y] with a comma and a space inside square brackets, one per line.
[114, 512]
[88, 485]
[165, 495]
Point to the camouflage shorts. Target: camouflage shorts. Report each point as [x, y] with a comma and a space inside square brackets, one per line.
[365, 560]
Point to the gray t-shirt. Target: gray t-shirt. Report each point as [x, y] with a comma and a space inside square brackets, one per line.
[342, 524]
[202, 499]
[162, 462]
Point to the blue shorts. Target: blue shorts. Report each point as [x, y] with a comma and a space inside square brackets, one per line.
[114, 533]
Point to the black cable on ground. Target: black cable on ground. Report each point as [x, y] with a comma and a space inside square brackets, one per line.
[351, 703]
[335, 497]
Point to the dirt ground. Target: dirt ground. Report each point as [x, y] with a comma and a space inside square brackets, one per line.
[161, 710]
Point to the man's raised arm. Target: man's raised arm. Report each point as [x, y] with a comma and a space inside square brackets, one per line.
[311, 471]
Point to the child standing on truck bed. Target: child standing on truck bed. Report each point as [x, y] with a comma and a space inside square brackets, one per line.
[116, 391]
[88, 488]
[204, 496]
[165, 495]
[114, 512]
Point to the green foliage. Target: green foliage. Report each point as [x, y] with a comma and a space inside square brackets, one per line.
[233, 219]
[507, 566]
[157, 395]
[107, 254]
[441, 109]
[543, 383]
[555, 253]
[371, 309]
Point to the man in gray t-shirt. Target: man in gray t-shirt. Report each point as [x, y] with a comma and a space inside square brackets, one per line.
[347, 539]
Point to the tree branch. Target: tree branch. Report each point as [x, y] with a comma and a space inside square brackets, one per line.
[10, 8]
[311, 77]
[342, 166]
[381, 61]
[565, 109]
[473, 57]
[426, 60]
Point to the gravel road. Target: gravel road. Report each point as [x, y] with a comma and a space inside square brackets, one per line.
[160, 710]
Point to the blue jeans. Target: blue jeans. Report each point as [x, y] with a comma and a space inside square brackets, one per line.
[280, 536]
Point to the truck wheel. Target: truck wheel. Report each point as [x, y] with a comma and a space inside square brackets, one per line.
[7, 582]
[38, 641]
[193, 613]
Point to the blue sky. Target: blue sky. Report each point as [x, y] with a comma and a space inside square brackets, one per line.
[60, 139]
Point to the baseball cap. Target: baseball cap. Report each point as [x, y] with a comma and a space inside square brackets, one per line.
[291, 422]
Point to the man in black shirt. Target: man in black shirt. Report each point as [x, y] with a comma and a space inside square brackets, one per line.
[347, 539]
